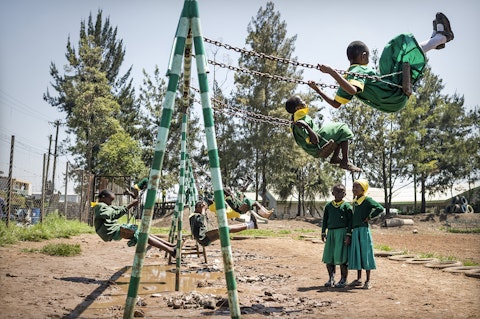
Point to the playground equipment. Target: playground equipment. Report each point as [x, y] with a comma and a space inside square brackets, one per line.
[188, 27]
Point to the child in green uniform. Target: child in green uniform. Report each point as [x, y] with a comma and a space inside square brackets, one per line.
[199, 229]
[337, 218]
[108, 228]
[241, 204]
[361, 254]
[362, 81]
[311, 138]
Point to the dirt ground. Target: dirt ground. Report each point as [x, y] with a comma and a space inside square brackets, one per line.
[276, 277]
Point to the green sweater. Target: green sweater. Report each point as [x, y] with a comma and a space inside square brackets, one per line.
[368, 209]
[337, 217]
[106, 220]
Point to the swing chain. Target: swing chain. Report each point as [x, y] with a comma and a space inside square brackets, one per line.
[235, 111]
[270, 76]
[305, 65]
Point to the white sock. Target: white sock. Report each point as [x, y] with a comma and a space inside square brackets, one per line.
[433, 42]
[250, 225]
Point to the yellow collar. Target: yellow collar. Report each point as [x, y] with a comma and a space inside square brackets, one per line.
[337, 204]
[359, 200]
[300, 114]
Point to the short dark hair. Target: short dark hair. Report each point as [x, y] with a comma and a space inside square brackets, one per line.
[105, 193]
[355, 49]
[292, 103]
[339, 186]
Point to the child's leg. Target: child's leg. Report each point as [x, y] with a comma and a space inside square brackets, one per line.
[331, 275]
[214, 234]
[344, 272]
[368, 275]
[432, 43]
[262, 211]
[335, 159]
[161, 244]
[442, 33]
[367, 285]
[345, 163]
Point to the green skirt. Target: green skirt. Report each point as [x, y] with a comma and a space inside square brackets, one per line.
[335, 251]
[361, 255]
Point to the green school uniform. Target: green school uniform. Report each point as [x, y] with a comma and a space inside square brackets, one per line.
[237, 200]
[380, 95]
[198, 227]
[107, 226]
[361, 255]
[337, 219]
[339, 132]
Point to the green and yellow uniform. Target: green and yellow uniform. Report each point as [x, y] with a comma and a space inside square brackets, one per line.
[198, 227]
[106, 223]
[337, 218]
[378, 94]
[361, 255]
[338, 132]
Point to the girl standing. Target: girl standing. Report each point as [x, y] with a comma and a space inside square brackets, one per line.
[361, 254]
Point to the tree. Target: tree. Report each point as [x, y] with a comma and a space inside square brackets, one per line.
[97, 101]
[266, 34]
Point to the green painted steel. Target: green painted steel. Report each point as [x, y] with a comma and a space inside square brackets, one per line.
[214, 162]
[189, 19]
[155, 171]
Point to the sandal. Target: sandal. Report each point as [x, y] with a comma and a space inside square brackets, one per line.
[367, 285]
[350, 167]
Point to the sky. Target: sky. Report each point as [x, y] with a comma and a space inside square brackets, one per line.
[33, 34]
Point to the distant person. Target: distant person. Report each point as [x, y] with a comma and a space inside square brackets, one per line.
[337, 219]
[199, 227]
[362, 80]
[108, 228]
[361, 254]
[313, 139]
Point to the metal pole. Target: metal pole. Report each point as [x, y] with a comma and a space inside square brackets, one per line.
[66, 189]
[10, 181]
[180, 203]
[156, 168]
[44, 181]
[214, 161]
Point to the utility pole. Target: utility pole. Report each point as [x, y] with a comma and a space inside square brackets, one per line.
[48, 162]
[57, 123]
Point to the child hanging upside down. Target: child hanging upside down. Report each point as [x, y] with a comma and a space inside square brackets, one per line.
[199, 229]
[311, 138]
[362, 80]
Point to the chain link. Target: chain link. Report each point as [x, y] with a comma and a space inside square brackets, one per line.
[295, 63]
[269, 76]
[251, 116]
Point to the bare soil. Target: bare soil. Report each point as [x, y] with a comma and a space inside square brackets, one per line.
[276, 277]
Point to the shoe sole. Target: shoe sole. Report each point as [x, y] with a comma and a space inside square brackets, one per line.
[447, 30]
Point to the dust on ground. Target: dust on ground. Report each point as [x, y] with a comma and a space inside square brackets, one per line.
[276, 277]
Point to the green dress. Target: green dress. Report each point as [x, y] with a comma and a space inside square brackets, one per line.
[337, 219]
[380, 95]
[339, 132]
[361, 255]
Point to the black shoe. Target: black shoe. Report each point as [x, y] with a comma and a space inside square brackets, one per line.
[440, 46]
[447, 30]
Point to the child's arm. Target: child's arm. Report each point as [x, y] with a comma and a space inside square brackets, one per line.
[311, 134]
[349, 88]
[328, 99]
